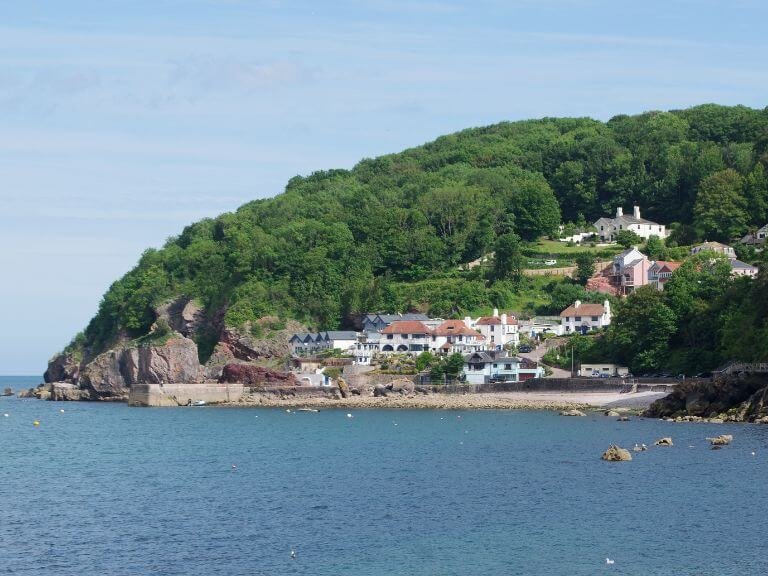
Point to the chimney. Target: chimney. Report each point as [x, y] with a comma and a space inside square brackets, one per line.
[468, 321]
[636, 212]
[619, 212]
[503, 318]
[495, 312]
[577, 304]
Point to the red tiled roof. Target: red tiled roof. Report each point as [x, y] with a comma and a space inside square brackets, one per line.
[451, 327]
[583, 310]
[670, 266]
[488, 320]
[406, 327]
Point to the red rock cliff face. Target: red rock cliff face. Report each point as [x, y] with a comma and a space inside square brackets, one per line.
[250, 374]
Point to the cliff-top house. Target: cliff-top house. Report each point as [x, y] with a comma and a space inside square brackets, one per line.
[581, 317]
[609, 228]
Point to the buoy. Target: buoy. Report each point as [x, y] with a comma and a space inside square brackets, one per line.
[234, 466]
[349, 415]
[609, 561]
[753, 453]
[62, 410]
[288, 410]
[6, 414]
[293, 553]
[36, 423]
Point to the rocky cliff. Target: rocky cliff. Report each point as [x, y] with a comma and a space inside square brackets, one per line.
[730, 398]
[169, 355]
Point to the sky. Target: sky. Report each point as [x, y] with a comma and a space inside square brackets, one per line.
[121, 121]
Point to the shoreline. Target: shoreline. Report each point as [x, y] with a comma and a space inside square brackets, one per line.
[552, 401]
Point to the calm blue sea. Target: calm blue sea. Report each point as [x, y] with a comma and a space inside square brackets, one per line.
[106, 489]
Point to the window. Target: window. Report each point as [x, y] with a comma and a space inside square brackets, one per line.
[507, 366]
[405, 336]
[493, 328]
[594, 318]
[578, 318]
[389, 336]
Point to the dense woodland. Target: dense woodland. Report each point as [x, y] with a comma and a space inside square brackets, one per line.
[391, 234]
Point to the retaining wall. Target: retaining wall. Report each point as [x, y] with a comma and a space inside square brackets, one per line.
[183, 394]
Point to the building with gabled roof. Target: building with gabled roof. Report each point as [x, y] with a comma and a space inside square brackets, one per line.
[717, 247]
[608, 228]
[483, 367]
[581, 317]
[660, 272]
[498, 329]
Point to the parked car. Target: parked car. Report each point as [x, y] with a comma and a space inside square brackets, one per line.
[525, 348]
[605, 375]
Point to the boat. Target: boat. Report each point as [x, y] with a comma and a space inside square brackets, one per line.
[307, 410]
[199, 403]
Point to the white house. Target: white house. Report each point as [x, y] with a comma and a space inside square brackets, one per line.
[498, 330]
[367, 346]
[585, 317]
[739, 268]
[405, 336]
[609, 228]
[717, 247]
[483, 367]
[452, 336]
[538, 325]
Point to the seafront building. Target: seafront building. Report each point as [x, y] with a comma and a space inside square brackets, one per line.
[483, 367]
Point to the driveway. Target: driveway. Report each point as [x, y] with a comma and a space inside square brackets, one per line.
[536, 356]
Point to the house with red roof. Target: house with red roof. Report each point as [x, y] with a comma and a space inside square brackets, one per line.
[405, 336]
[498, 329]
[455, 336]
[660, 272]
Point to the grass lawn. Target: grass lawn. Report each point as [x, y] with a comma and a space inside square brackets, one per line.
[556, 248]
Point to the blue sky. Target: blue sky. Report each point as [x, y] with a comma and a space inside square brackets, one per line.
[121, 121]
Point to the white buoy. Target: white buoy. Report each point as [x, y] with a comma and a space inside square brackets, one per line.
[288, 410]
[609, 561]
[753, 453]
[293, 553]
[6, 414]
[234, 466]
[62, 410]
[349, 415]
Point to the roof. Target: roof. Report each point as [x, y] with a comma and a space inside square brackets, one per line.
[341, 334]
[488, 320]
[670, 266]
[487, 357]
[406, 327]
[716, 246]
[451, 327]
[739, 265]
[583, 310]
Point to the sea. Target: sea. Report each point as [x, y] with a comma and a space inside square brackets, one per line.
[104, 489]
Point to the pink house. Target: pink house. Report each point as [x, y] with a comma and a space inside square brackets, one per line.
[630, 270]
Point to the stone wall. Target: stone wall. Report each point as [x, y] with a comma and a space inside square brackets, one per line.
[182, 394]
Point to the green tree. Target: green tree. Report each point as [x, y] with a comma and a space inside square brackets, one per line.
[585, 267]
[508, 259]
[720, 211]
[654, 247]
[641, 330]
[628, 238]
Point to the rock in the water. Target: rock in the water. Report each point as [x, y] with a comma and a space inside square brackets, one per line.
[722, 440]
[66, 391]
[612, 413]
[572, 413]
[8, 392]
[616, 454]
[666, 441]
[623, 419]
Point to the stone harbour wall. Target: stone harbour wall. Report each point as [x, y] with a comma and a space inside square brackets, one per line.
[183, 394]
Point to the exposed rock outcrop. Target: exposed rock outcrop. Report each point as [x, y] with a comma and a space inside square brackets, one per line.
[666, 441]
[67, 391]
[729, 398]
[222, 355]
[8, 392]
[62, 368]
[573, 412]
[722, 440]
[184, 315]
[272, 343]
[254, 375]
[175, 361]
[101, 378]
[616, 454]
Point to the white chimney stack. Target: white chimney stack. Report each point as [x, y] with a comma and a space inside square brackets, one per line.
[577, 304]
[468, 321]
[619, 212]
[495, 312]
[636, 212]
[503, 318]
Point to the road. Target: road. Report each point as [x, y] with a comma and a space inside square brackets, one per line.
[536, 355]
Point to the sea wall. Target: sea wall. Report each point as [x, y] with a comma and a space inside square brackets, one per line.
[183, 394]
